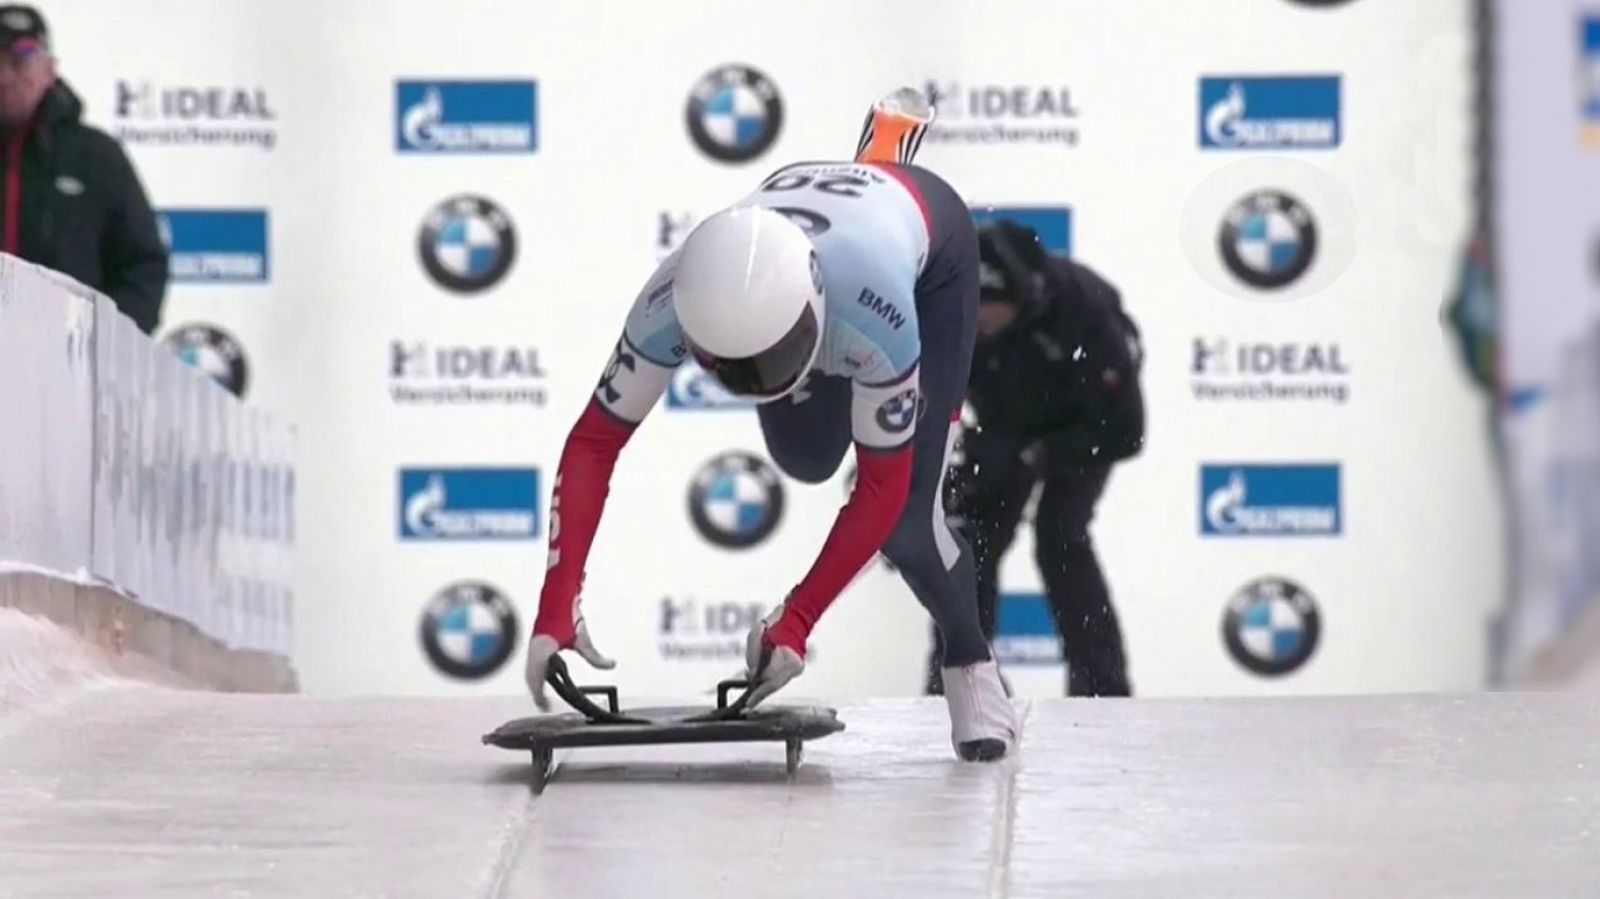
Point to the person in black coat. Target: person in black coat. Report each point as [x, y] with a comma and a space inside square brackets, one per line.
[70, 199]
[1055, 388]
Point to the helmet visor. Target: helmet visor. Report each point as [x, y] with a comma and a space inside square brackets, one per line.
[770, 372]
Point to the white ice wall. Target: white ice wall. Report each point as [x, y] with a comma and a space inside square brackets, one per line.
[121, 465]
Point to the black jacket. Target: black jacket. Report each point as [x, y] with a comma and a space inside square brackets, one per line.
[1068, 367]
[79, 208]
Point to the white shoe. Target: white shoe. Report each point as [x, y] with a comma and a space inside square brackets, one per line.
[894, 127]
[983, 723]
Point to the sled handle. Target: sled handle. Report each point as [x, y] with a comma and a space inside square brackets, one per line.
[560, 678]
[610, 693]
[728, 686]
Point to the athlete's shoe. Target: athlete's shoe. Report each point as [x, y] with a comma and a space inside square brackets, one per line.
[983, 723]
[894, 127]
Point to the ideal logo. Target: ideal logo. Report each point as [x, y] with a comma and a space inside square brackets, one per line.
[189, 115]
[1052, 223]
[881, 308]
[454, 375]
[1025, 632]
[1270, 500]
[691, 630]
[1589, 78]
[692, 388]
[143, 100]
[1270, 113]
[991, 114]
[466, 116]
[1311, 371]
[215, 245]
[469, 504]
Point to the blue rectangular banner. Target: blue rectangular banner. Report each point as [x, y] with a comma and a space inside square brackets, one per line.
[1025, 631]
[1286, 112]
[1251, 500]
[216, 245]
[469, 504]
[1052, 223]
[466, 116]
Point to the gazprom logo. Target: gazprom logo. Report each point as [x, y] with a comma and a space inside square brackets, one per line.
[1290, 112]
[215, 245]
[1270, 500]
[469, 504]
[466, 116]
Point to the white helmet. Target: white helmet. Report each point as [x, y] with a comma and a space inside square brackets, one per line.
[748, 294]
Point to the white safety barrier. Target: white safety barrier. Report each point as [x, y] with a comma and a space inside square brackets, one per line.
[121, 464]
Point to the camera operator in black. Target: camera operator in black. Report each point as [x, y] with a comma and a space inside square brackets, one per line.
[1054, 384]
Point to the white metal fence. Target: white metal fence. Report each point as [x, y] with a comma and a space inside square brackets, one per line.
[120, 462]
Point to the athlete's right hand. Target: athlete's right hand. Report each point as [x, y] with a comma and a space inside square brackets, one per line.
[542, 647]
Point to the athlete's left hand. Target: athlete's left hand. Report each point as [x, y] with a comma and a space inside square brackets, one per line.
[543, 647]
[768, 667]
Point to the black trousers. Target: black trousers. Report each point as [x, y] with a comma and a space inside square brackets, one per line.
[808, 439]
[989, 493]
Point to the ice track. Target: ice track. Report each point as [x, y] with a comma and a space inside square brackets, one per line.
[111, 787]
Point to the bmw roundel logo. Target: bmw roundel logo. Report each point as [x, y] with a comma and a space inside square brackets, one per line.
[214, 352]
[734, 113]
[1271, 626]
[899, 412]
[1268, 239]
[469, 629]
[735, 500]
[467, 244]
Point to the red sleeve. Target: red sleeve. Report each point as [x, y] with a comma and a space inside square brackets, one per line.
[583, 480]
[883, 479]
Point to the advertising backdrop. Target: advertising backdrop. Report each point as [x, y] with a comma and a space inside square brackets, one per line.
[414, 231]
